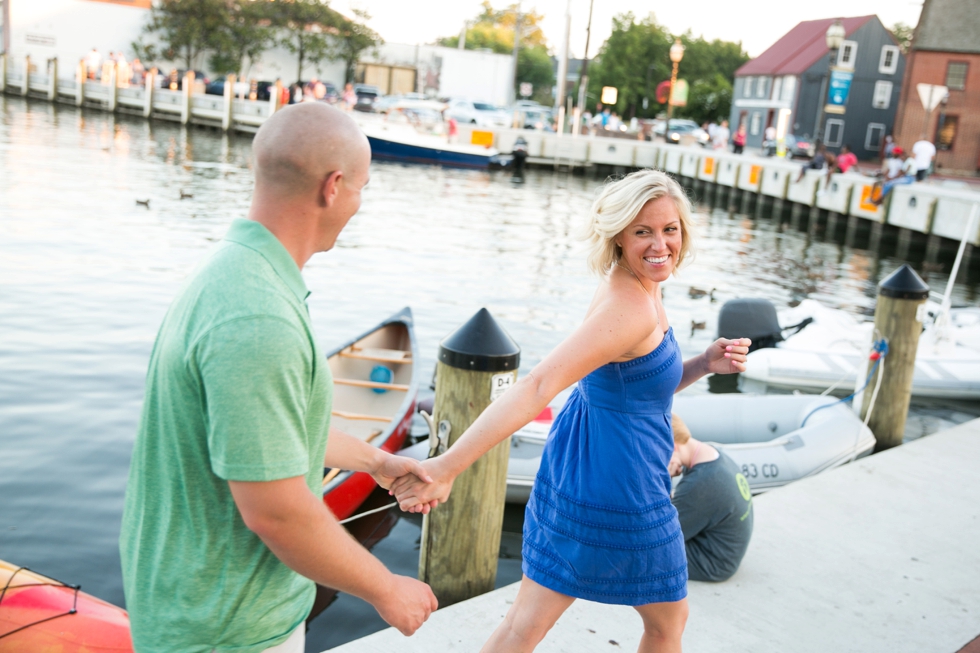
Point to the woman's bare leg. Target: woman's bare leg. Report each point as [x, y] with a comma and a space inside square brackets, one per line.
[535, 611]
[663, 625]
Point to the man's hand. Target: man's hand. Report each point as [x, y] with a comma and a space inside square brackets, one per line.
[414, 495]
[407, 604]
[390, 467]
[726, 356]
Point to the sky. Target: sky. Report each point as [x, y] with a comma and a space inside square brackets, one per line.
[757, 26]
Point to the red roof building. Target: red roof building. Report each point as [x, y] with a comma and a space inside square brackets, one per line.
[786, 86]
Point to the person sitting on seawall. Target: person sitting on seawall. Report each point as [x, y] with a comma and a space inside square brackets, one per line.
[818, 161]
[907, 176]
[714, 505]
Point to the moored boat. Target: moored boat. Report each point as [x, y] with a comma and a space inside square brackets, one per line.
[413, 132]
[375, 387]
[834, 346]
[773, 439]
[39, 614]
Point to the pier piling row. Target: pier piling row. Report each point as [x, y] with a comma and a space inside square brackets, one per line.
[938, 211]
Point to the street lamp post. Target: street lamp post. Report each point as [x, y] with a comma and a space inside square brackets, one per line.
[835, 37]
[676, 54]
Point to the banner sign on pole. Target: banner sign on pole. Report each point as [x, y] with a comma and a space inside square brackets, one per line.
[678, 95]
[838, 89]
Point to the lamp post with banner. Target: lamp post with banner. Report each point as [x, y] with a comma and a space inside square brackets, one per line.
[676, 54]
[837, 83]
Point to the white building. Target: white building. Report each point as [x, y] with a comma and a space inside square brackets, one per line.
[69, 29]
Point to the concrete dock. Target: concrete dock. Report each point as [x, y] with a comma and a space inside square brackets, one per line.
[878, 555]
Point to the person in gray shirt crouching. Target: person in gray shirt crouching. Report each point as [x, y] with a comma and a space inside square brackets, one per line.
[714, 505]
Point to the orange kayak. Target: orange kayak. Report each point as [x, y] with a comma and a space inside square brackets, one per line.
[42, 615]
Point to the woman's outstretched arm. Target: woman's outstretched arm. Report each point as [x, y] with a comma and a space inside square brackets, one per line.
[614, 328]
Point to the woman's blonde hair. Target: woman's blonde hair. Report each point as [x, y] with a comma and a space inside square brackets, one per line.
[618, 204]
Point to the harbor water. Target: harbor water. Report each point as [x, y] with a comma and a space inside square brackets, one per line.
[87, 272]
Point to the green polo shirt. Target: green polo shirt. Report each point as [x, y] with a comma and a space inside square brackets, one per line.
[237, 390]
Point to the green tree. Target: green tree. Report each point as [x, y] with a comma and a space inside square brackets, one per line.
[354, 38]
[247, 33]
[185, 29]
[903, 34]
[493, 29]
[636, 57]
[308, 29]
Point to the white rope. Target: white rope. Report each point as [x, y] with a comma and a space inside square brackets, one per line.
[369, 512]
[874, 394]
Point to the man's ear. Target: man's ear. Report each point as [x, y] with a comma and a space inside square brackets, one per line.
[330, 188]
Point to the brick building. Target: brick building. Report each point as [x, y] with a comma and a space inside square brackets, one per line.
[945, 51]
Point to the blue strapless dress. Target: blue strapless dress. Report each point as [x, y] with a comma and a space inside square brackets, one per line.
[599, 524]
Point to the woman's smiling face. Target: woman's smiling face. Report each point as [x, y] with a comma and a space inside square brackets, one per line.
[651, 244]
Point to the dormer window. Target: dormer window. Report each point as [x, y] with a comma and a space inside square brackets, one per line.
[847, 55]
[888, 63]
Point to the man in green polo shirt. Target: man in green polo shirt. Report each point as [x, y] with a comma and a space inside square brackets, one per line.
[224, 529]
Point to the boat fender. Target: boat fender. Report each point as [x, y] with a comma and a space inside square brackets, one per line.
[381, 374]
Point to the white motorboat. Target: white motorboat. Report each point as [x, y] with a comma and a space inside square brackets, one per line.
[834, 347]
[413, 132]
[774, 439]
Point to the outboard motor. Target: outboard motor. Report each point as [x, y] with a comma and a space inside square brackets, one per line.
[750, 318]
[520, 156]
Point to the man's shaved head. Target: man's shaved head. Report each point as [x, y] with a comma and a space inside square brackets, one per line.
[300, 145]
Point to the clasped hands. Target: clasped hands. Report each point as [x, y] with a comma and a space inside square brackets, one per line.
[420, 495]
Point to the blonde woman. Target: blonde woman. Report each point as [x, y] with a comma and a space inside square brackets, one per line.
[599, 524]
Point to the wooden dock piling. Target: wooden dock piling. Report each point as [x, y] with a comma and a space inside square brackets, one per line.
[898, 319]
[461, 539]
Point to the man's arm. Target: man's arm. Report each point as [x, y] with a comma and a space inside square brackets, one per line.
[300, 530]
[344, 451]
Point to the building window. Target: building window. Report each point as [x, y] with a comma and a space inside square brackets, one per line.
[956, 76]
[777, 87]
[747, 86]
[872, 140]
[847, 55]
[883, 95]
[888, 63]
[789, 88]
[834, 134]
[946, 131]
[760, 87]
[755, 123]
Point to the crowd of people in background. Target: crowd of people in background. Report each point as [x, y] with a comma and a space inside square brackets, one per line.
[128, 73]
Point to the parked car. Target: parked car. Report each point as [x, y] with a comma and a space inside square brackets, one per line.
[242, 89]
[796, 147]
[537, 117]
[477, 113]
[177, 76]
[367, 95]
[679, 128]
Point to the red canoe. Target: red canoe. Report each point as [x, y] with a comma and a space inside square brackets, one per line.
[375, 388]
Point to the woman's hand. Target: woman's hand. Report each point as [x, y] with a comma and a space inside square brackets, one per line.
[416, 495]
[725, 356]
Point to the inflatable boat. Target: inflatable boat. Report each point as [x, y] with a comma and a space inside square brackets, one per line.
[774, 439]
[831, 346]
